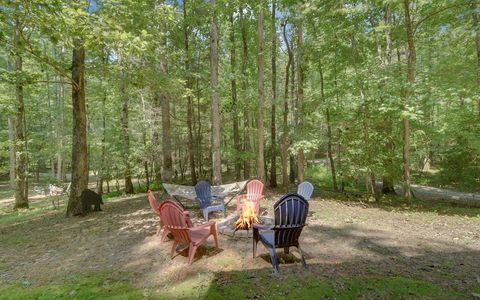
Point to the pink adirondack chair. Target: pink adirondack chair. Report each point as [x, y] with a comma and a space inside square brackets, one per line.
[178, 222]
[154, 205]
[254, 194]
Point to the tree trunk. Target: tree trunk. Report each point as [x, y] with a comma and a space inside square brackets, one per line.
[387, 180]
[273, 130]
[79, 136]
[246, 127]
[261, 95]
[408, 93]
[189, 82]
[125, 135]
[236, 134]
[300, 109]
[21, 197]
[284, 152]
[11, 138]
[216, 158]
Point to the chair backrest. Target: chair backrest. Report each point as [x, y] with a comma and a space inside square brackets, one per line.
[290, 216]
[305, 189]
[254, 189]
[204, 193]
[176, 220]
[153, 202]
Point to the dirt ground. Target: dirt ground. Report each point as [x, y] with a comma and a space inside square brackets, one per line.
[341, 239]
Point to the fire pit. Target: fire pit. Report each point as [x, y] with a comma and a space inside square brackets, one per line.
[240, 225]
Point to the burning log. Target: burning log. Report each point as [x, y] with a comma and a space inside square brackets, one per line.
[247, 218]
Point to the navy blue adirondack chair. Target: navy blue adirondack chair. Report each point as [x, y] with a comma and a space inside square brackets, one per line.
[290, 216]
[204, 196]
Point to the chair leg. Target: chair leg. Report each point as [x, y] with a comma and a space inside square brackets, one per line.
[191, 253]
[164, 235]
[213, 231]
[303, 258]
[286, 250]
[158, 230]
[174, 248]
[205, 215]
[254, 248]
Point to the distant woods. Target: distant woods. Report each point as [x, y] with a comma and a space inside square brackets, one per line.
[140, 93]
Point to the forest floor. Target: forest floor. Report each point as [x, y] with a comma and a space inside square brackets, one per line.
[353, 250]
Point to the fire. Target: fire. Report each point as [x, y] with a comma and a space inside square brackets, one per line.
[247, 217]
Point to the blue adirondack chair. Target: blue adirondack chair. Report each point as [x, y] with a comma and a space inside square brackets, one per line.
[290, 216]
[204, 196]
[305, 189]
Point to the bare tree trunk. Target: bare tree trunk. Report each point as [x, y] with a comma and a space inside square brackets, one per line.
[21, 197]
[261, 95]
[126, 136]
[300, 109]
[216, 158]
[236, 133]
[273, 130]
[294, 110]
[284, 152]
[189, 81]
[79, 136]
[246, 127]
[408, 93]
[11, 138]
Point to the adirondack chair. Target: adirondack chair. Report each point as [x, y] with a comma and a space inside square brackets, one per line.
[254, 194]
[305, 189]
[177, 221]
[204, 196]
[154, 205]
[290, 216]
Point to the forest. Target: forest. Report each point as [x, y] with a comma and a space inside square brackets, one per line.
[161, 91]
[363, 98]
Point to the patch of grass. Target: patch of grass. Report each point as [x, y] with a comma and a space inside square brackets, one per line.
[238, 286]
[11, 216]
[98, 286]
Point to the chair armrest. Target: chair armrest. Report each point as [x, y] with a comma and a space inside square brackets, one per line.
[260, 227]
[221, 198]
[239, 198]
[203, 226]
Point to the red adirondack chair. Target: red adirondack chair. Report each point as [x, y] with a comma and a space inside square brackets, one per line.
[254, 194]
[177, 221]
[154, 205]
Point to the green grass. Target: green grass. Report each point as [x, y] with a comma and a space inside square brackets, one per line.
[98, 286]
[314, 288]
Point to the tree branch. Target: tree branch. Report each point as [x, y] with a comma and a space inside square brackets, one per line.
[436, 13]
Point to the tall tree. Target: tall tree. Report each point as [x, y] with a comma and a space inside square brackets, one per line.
[21, 192]
[411, 60]
[189, 86]
[273, 131]
[246, 126]
[261, 95]
[126, 135]
[284, 151]
[79, 136]
[216, 158]
[300, 99]
[236, 133]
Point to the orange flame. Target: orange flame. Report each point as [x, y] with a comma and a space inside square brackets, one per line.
[247, 217]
